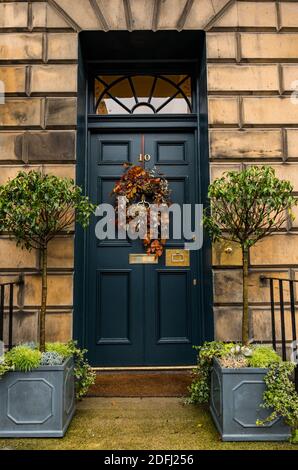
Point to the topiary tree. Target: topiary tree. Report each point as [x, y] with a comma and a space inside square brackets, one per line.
[34, 208]
[246, 206]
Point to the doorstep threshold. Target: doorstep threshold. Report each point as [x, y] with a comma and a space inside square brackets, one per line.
[143, 368]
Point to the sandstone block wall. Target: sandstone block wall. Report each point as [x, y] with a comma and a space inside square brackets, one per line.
[252, 64]
[252, 54]
[38, 65]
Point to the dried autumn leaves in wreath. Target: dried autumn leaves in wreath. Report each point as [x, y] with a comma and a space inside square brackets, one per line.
[136, 191]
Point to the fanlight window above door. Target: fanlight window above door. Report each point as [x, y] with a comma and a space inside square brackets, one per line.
[143, 94]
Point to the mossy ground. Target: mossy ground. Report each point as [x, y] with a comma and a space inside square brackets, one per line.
[139, 423]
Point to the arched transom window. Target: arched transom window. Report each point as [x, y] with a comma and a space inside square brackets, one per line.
[143, 94]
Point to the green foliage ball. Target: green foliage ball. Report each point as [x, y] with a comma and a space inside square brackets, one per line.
[246, 205]
[34, 207]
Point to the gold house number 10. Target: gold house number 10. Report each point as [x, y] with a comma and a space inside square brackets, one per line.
[144, 158]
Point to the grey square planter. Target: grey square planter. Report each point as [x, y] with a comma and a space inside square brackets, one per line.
[236, 396]
[40, 403]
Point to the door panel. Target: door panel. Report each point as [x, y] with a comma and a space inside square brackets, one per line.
[113, 152]
[114, 323]
[140, 314]
[171, 152]
[172, 323]
[171, 302]
[113, 314]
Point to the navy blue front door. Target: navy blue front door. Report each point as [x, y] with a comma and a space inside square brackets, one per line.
[141, 314]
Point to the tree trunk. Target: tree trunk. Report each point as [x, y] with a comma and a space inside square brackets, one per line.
[245, 315]
[44, 292]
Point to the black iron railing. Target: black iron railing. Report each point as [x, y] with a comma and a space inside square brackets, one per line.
[278, 314]
[7, 305]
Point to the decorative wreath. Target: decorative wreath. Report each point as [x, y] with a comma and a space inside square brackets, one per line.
[144, 187]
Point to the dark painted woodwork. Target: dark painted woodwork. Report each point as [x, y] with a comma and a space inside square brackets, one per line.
[98, 278]
[140, 314]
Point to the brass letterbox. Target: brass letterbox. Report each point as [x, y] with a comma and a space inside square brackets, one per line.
[177, 257]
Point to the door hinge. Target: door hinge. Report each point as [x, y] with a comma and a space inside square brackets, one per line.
[195, 282]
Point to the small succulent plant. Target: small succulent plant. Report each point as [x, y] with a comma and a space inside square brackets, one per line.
[51, 358]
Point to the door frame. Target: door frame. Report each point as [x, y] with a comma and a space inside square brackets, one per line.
[88, 123]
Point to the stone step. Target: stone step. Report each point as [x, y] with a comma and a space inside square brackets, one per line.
[141, 383]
